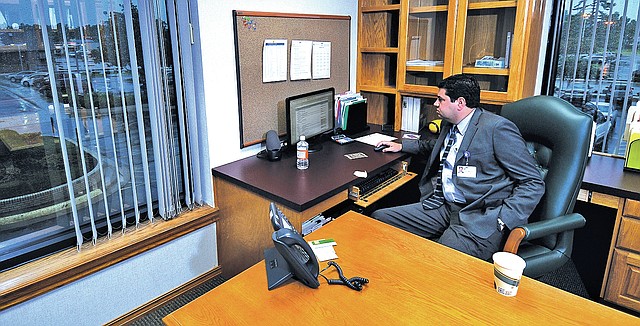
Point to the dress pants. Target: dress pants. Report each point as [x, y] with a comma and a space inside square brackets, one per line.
[442, 225]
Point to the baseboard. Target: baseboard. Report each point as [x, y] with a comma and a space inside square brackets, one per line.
[165, 298]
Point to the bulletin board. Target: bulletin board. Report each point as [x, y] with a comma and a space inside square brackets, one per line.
[261, 105]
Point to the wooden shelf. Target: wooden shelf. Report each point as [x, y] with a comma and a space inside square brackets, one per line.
[426, 68]
[428, 9]
[381, 8]
[378, 50]
[378, 89]
[492, 5]
[486, 71]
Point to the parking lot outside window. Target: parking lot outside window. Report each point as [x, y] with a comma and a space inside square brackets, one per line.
[596, 65]
[92, 139]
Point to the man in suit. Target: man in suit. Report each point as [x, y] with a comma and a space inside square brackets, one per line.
[486, 185]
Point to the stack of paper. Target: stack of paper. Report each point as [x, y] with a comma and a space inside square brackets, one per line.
[425, 63]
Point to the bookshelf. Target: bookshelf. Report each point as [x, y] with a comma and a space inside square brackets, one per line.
[377, 69]
[406, 47]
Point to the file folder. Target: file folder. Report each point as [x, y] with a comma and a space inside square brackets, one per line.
[355, 116]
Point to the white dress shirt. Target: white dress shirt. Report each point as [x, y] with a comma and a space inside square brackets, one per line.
[452, 194]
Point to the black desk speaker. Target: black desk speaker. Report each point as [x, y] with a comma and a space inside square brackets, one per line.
[274, 150]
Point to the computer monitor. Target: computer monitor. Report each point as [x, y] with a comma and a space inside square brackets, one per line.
[312, 115]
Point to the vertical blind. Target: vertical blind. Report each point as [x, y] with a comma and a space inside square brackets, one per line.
[598, 67]
[116, 70]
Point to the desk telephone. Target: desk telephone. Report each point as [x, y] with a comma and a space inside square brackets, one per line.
[291, 257]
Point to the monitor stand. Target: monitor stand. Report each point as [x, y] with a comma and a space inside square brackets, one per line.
[315, 146]
[277, 268]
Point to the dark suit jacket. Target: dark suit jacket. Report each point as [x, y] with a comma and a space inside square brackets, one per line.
[507, 183]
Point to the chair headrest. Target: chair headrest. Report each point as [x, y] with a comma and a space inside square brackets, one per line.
[558, 137]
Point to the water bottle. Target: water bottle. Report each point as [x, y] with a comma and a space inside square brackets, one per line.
[302, 156]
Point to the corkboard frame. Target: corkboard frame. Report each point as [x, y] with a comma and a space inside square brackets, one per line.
[261, 105]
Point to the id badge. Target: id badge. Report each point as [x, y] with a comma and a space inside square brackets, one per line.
[466, 171]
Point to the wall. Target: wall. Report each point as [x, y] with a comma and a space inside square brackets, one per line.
[112, 292]
[219, 69]
[544, 42]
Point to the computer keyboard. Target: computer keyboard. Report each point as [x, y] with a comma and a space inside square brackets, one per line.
[371, 185]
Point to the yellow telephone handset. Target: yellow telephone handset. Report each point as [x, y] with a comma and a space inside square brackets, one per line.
[434, 126]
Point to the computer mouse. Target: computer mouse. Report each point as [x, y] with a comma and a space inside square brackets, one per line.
[380, 148]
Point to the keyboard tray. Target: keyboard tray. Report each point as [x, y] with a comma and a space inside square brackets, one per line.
[381, 189]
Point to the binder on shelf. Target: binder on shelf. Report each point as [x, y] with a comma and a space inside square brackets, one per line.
[412, 117]
[410, 114]
[404, 125]
[415, 122]
[507, 55]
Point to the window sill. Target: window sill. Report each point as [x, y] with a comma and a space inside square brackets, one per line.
[38, 277]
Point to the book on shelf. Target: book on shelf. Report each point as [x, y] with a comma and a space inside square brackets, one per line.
[507, 55]
[424, 63]
[414, 49]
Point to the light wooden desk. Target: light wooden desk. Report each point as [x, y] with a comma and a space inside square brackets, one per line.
[412, 281]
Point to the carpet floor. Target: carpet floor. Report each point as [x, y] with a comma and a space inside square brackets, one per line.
[155, 317]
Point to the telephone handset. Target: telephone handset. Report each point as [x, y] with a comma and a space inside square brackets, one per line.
[303, 263]
[291, 257]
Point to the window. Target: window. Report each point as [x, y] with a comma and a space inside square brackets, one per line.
[594, 63]
[95, 122]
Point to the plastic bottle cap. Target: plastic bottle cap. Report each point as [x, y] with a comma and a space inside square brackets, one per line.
[302, 137]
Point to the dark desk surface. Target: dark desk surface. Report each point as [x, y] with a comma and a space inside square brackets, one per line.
[329, 173]
[605, 174]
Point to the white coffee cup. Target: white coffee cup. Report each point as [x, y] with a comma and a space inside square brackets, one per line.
[507, 272]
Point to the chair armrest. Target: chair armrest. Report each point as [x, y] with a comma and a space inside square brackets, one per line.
[540, 229]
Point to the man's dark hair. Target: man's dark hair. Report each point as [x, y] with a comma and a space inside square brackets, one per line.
[462, 85]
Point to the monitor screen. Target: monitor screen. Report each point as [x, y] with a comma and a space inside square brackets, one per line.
[310, 114]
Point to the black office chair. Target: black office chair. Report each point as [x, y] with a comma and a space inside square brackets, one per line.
[558, 137]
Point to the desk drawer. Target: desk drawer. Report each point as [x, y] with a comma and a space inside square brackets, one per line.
[629, 234]
[623, 286]
[631, 208]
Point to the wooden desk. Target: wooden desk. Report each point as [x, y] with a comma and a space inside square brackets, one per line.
[244, 189]
[606, 183]
[412, 281]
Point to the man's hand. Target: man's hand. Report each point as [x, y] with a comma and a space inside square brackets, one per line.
[393, 147]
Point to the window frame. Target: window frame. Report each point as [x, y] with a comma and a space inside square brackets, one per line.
[47, 273]
[40, 276]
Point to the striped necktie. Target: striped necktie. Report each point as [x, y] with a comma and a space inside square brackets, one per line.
[437, 199]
